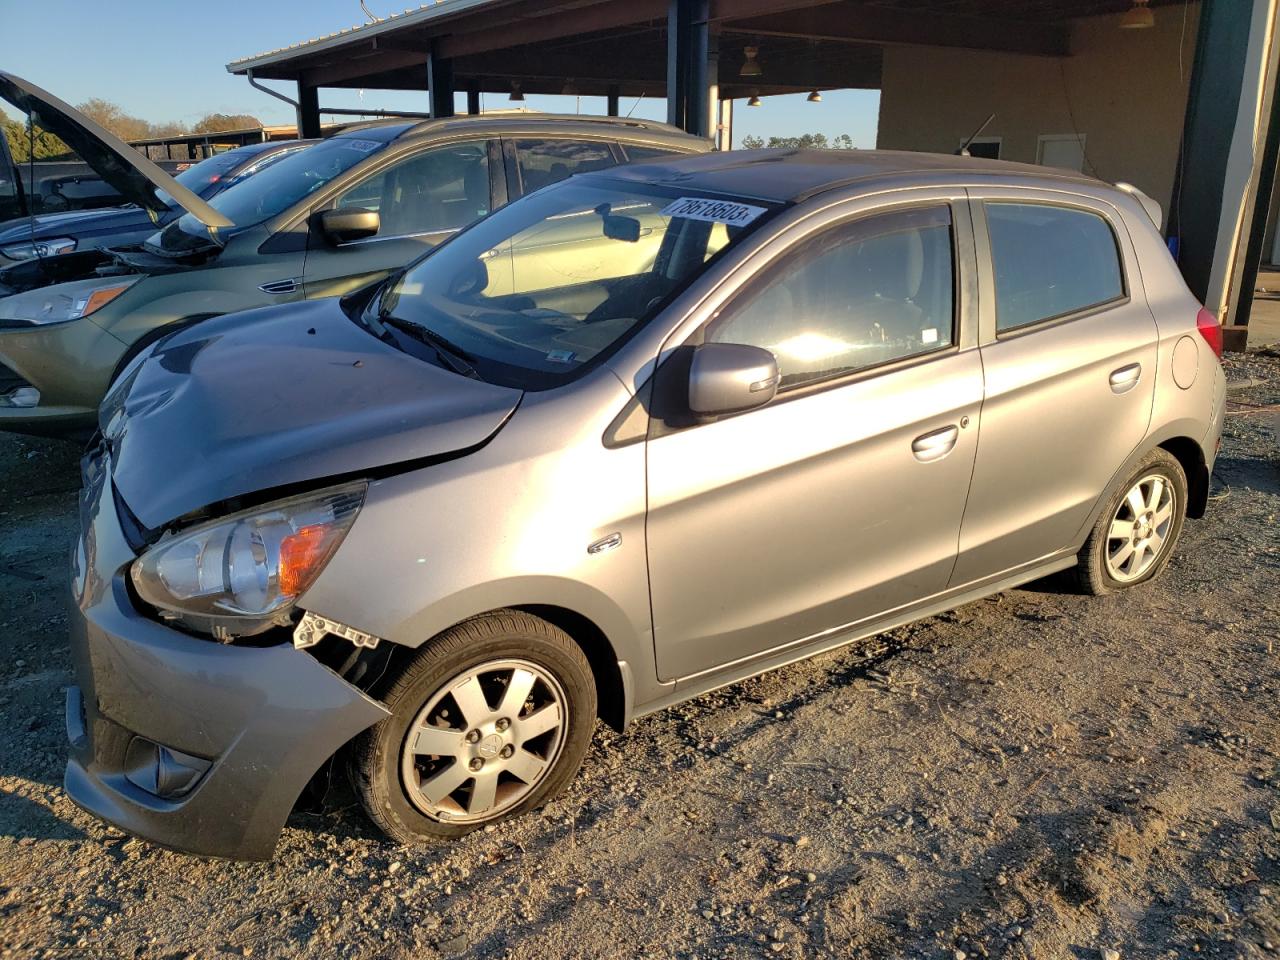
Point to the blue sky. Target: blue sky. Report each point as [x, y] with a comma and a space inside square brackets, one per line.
[166, 61]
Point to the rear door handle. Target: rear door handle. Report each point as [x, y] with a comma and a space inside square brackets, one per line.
[935, 445]
[1126, 378]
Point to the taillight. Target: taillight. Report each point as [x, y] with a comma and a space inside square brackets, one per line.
[1211, 330]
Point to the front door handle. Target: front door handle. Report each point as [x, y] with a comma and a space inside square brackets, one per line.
[1126, 378]
[935, 445]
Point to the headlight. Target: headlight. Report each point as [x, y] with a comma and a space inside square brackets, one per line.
[40, 248]
[57, 304]
[242, 574]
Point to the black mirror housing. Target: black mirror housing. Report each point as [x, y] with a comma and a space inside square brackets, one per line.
[348, 224]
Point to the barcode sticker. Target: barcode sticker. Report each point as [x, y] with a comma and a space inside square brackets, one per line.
[714, 211]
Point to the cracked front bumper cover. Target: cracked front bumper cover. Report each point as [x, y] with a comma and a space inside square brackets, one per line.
[266, 718]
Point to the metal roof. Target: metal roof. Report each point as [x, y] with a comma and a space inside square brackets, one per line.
[425, 14]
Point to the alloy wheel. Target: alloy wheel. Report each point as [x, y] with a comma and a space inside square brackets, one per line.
[1140, 528]
[484, 740]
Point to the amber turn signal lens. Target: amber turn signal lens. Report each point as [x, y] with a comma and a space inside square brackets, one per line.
[301, 554]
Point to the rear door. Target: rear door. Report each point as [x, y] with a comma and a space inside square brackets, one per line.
[1069, 359]
[422, 198]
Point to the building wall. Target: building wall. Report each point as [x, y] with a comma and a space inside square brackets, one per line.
[1124, 90]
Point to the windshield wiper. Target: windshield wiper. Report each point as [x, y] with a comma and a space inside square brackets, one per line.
[453, 356]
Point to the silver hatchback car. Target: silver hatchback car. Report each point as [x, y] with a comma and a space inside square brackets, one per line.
[639, 434]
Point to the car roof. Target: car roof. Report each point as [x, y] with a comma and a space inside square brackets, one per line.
[499, 124]
[783, 175]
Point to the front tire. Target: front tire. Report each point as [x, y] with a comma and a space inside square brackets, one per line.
[491, 718]
[1136, 533]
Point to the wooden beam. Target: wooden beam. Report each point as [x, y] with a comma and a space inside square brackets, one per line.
[861, 23]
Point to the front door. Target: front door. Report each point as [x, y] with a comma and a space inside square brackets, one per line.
[840, 499]
[421, 200]
[1069, 353]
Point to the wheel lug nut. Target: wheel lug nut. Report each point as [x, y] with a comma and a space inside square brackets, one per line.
[473, 736]
[503, 724]
[507, 752]
[476, 764]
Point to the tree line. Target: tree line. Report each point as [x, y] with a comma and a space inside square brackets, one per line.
[806, 141]
[28, 142]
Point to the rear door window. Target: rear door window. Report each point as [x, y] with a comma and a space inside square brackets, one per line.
[1050, 261]
[640, 154]
[546, 161]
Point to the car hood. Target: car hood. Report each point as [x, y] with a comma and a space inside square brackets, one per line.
[57, 224]
[270, 398]
[128, 170]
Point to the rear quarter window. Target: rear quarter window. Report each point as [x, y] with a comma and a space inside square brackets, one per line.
[640, 154]
[1050, 262]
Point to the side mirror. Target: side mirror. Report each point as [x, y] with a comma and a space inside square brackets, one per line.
[348, 224]
[731, 377]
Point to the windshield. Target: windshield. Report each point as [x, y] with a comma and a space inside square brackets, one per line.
[201, 178]
[534, 294]
[282, 184]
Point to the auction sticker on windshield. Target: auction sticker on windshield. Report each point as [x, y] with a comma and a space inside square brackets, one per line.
[714, 211]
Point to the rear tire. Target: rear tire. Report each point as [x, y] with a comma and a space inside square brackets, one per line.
[1137, 531]
[491, 719]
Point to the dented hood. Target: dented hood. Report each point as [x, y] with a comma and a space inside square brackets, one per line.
[128, 170]
[284, 395]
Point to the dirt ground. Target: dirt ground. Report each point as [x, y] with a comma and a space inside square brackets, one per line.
[1038, 774]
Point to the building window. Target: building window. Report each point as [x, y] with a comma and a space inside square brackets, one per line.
[1062, 150]
[986, 147]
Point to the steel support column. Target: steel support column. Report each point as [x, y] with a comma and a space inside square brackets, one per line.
[440, 84]
[691, 67]
[612, 99]
[308, 111]
[1227, 141]
[473, 100]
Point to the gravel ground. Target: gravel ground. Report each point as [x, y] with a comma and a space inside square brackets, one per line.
[1034, 775]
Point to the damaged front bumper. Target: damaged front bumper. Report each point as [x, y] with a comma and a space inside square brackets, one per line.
[195, 745]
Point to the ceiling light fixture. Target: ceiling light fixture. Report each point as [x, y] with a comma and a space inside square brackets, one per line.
[814, 97]
[1138, 17]
[517, 94]
[754, 101]
[750, 66]
[570, 88]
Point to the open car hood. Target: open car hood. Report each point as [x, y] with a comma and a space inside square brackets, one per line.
[253, 402]
[128, 170]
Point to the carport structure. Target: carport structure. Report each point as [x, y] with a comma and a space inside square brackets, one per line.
[1184, 110]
